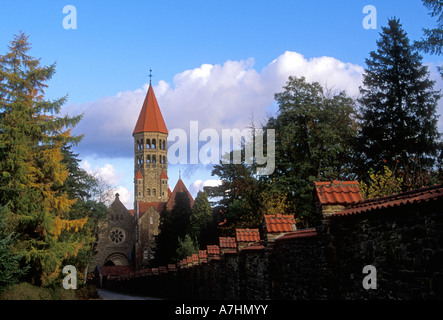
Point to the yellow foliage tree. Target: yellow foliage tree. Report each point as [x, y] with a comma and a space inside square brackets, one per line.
[381, 184]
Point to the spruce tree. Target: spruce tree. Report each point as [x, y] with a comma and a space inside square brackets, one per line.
[31, 164]
[398, 106]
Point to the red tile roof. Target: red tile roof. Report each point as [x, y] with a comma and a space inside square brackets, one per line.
[172, 267]
[302, 233]
[247, 235]
[213, 250]
[150, 118]
[425, 194]
[179, 187]
[138, 175]
[116, 270]
[144, 206]
[227, 242]
[258, 246]
[338, 192]
[202, 254]
[163, 175]
[279, 223]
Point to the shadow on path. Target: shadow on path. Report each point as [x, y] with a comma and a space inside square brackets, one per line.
[112, 295]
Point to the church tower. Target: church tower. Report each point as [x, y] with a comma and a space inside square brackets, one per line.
[150, 153]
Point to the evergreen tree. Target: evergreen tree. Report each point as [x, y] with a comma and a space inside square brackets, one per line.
[31, 164]
[398, 105]
[201, 219]
[432, 42]
[10, 271]
[173, 226]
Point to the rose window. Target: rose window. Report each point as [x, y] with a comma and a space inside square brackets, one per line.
[117, 235]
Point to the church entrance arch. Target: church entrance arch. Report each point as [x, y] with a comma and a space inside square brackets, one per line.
[116, 259]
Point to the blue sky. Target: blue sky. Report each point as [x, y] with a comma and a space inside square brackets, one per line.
[216, 62]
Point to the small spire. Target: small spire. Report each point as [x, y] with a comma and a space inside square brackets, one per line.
[150, 76]
[179, 174]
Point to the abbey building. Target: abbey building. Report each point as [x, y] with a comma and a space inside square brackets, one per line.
[127, 237]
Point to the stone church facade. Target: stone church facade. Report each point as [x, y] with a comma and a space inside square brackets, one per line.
[127, 237]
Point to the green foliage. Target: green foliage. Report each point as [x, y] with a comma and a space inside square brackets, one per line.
[173, 226]
[432, 42]
[398, 105]
[186, 247]
[10, 272]
[315, 132]
[26, 291]
[33, 167]
[201, 219]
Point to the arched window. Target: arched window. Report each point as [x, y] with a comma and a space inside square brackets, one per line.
[164, 159]
[153, 143]
[148, 159]
[148, 144]
[148, 192]
[164, 145]
[154, 159]
[154, 193]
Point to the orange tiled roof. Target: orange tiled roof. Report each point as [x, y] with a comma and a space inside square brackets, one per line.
[138, 175]
[247, 235]
[426, 194]
[202, 254]
[116, 270]
[179, 187]
[172, 267]
[150, 118]
[163, 175]
[227, 242]
[213, 250]
[302, 233]
[338, 192]
[279, 223]
[144, 206]
[258, 246]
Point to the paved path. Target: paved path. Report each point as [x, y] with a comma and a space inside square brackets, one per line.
[111, 295]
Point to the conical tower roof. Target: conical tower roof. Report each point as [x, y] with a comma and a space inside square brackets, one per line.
[150, 118]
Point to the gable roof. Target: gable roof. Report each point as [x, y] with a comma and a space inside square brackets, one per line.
[338, 192]
[227, 242]
[179, 187]
[425, 194]
[279, 223]
[150, 118]
[247, 235]
[143, 207]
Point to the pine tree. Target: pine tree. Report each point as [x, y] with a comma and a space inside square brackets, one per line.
[398, 105]
[31, 164]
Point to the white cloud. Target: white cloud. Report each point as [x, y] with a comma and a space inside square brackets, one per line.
[198, 185]
[217, 96]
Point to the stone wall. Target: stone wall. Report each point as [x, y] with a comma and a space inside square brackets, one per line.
[404, 244]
